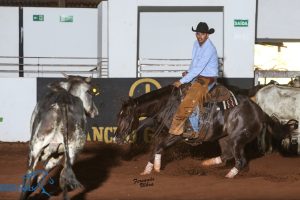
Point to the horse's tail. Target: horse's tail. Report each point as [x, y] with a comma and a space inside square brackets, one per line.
[278, 129]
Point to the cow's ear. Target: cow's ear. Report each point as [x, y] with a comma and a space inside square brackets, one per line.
[88, 79]
[54, 86]
[65, 75]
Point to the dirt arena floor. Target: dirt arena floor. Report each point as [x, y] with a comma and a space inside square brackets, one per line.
[112, 172]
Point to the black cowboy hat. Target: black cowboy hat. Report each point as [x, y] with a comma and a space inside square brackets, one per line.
[203, 28]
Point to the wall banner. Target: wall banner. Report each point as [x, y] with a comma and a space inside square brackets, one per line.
[113, 91]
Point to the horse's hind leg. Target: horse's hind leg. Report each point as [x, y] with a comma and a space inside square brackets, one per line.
[239, 155]
[264, 142]
[226, 149]
[155, 159]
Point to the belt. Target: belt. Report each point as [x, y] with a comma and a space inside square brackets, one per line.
[211, 79]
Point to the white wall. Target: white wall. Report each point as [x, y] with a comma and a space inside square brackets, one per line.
[169, 35]
[122, 39]
[9, 39]
[102, 30]
[278, 19]
[18, 98]
[52, 38]
[238, 41]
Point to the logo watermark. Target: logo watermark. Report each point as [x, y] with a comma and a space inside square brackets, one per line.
[144, 182]
[26, 185]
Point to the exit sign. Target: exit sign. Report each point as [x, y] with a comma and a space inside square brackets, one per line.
[241, 22]
[38, 17]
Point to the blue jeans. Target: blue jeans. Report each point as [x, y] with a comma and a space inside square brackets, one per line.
[194, 117]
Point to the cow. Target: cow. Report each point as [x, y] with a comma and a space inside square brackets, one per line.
[58, 129]
[295, 82]
[282, 102]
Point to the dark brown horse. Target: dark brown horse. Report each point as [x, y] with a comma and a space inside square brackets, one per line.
[233, 128]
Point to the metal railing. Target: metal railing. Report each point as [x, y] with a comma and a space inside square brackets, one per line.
[103, 68]
[153, 67]
[273, 74]
[10, 66]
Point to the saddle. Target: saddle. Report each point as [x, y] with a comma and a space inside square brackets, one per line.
[223, 98]
[218, 93]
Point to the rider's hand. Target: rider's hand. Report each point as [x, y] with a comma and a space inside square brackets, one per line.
[184, 73]
[177, 83]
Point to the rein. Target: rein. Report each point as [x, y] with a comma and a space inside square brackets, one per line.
[161, 126]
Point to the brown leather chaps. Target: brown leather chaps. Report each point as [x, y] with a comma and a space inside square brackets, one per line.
[195, 95]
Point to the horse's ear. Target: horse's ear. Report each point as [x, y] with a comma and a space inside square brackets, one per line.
[124, 100]
[54, 86]
[130, 99]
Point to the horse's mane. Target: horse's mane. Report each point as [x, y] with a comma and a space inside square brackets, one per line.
[150, 96]
[155, 94]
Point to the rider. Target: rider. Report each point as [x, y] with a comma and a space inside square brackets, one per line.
[202, 73]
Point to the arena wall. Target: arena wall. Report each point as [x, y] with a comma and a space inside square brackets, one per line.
[9, 39]
[47, 39]
[18, 99]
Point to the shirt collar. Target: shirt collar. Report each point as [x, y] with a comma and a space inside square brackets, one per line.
[205, 43]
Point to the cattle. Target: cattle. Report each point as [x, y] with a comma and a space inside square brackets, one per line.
[295, 82]
[58, 129]
[282, 102]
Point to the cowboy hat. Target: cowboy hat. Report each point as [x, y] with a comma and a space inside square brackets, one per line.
[203, 28]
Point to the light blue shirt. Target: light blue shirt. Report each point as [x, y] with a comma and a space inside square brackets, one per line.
[204, 62]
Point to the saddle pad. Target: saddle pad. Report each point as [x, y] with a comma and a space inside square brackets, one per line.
[229, 103]
[218, 94]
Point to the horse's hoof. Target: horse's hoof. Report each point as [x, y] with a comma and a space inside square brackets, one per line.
[212, 161]
[148, 169]
[157, 167]
[232, 173]
[145, 173]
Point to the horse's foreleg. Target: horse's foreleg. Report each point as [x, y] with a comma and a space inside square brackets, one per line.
[226, 153]
[155, 159]
[169, 141]
[212, 161]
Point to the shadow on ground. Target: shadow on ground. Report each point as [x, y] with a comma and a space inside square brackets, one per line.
[92, 169]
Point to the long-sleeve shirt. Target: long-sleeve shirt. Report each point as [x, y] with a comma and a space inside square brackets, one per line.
[204, 61]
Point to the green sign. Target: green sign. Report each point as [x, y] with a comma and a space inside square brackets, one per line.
[38, 17]
[66, 18]
[1, 119]
[241, 22]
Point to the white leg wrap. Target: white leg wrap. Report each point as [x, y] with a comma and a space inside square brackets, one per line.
[232, 173]
[212, 161]
[147, 169]
[217, 160]
[157, 162]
